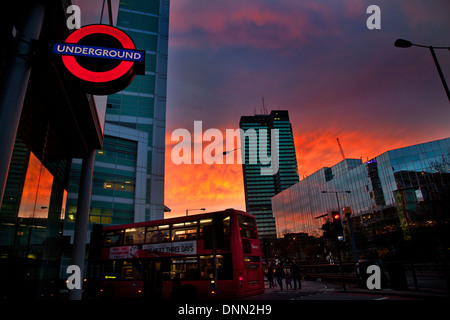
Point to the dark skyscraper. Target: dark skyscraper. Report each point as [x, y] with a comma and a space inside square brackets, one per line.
[272, 138]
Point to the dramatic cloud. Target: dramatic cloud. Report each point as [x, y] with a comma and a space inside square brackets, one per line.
[260, 24]
[316, 59]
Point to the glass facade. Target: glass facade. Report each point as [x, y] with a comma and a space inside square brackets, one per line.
[31, 218]
[400, 201]
[260, 188]
[135, 117]
[128, 182]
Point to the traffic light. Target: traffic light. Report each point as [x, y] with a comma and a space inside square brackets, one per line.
[337, 225]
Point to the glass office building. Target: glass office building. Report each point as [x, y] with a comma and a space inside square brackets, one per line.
[400, 201]
[259, 187]
[128, 183]
[58, 122]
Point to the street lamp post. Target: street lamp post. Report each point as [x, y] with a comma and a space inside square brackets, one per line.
[187, 210]
[401, 43]
[229, 151]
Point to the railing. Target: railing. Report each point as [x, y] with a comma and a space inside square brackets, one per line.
[430, 276]
[427, 276]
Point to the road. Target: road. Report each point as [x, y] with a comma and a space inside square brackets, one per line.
[314, 290]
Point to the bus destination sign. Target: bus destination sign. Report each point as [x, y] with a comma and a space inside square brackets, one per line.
[154, 250]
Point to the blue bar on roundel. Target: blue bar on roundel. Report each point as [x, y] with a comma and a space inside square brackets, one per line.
[98, 52]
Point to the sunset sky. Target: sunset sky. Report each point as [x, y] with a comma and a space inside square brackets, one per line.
[314, 58]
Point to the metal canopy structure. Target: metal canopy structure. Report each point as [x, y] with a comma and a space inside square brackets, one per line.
[58, 121]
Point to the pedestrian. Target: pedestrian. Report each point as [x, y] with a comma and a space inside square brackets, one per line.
[296, 276]
[288, 281]
[279, 274]
[270, 275]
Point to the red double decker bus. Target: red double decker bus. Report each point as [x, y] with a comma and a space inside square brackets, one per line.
[204, 256]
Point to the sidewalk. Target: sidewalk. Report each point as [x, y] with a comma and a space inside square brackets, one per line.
[307, 286]
[426, 294]
[322, 287]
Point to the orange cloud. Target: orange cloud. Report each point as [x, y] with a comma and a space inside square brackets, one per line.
[318, 148]
[214, 187]
[220, 186]
[193, 186]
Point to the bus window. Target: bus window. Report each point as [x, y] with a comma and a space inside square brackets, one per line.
[224, 267]
[122, 270]
[247, 227]
[187, 267]
[252, 259]
[184, 231]
[226, 226]
[132, 270]
[114, 238]
[248, 233]
[203, 223]
[158, 234]
[207, 266]
[246, 222]
[208, 222]
[134, 236]
[112, 269]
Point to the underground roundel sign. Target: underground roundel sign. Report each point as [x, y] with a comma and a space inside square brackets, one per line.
[102, 58]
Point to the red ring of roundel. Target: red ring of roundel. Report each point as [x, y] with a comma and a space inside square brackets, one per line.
[92, 76]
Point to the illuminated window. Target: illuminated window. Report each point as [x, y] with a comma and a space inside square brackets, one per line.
[134, 235]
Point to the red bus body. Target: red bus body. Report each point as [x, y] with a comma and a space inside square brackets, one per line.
[142, 259]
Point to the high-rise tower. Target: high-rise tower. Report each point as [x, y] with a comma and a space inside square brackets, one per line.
[260, 186]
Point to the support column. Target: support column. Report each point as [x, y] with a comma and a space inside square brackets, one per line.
[14, 83]
[82, 221]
